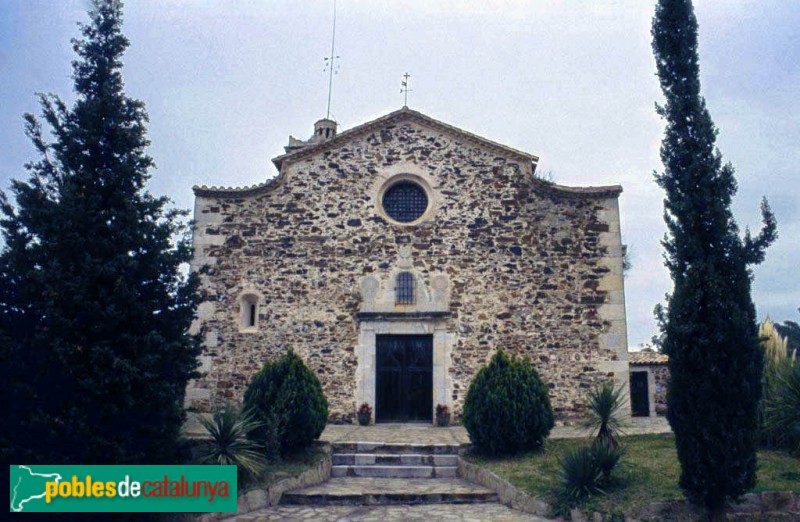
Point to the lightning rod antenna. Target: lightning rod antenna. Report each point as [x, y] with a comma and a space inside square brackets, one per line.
[333, 57]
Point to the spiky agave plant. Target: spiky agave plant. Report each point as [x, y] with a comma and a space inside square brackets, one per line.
[605, 405]
[228, 443]
[606, 457]
[581, 476]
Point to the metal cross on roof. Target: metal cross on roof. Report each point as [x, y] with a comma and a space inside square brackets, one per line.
[404, 89]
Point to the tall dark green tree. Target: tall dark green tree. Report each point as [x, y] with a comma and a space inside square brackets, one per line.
[709, 327]
[94, 311]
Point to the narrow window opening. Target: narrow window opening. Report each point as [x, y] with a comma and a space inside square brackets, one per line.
[404, 291]
[248, 316]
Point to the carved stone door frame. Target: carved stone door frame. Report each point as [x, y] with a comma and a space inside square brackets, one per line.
[365, 354]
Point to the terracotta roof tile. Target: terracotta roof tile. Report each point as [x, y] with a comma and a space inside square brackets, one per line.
[645, 358]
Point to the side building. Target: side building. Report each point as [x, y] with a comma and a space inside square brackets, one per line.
[649, 383]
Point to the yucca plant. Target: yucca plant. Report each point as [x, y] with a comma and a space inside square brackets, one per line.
[606, 457]
[228, 443]
[580, 474]
[783, 411]
[605, 405]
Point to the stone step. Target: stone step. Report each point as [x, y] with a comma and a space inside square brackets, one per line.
[379, 491]
[395, 448]
[388, 459]
[394, 471]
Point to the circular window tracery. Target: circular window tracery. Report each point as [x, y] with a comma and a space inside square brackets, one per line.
[405, 201]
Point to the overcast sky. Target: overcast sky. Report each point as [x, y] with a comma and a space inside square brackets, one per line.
[571, 81]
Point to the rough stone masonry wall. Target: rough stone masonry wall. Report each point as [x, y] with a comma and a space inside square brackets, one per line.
[661, 378]
[533, 271]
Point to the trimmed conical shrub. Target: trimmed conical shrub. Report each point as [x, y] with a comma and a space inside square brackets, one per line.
[287, 398]
[507, 409]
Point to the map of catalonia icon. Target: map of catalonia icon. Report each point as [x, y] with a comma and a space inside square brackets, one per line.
[28, 486]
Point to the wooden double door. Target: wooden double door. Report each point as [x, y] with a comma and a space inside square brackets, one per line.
[404, 378]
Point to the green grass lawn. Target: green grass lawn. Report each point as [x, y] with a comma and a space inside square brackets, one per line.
[648, 472]
[289, 466]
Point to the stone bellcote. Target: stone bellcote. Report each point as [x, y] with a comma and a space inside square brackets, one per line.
[324, 130]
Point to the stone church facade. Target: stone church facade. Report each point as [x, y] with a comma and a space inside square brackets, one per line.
[395, 258]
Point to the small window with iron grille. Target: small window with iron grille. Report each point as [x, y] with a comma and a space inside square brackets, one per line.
[404, 291]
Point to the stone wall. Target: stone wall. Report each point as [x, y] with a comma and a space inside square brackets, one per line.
[530, 267]
[661, 378]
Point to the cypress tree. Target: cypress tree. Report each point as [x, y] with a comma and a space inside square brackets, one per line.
[709, 327]
[94, 311]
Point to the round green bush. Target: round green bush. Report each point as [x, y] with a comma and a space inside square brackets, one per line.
[507, 409]
[287, 398]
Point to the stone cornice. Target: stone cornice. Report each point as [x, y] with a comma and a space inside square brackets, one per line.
[259, 188]
[605, 191]
[541, 187]
[402, 316]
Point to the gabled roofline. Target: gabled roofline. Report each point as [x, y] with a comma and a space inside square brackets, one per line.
[404, 113]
